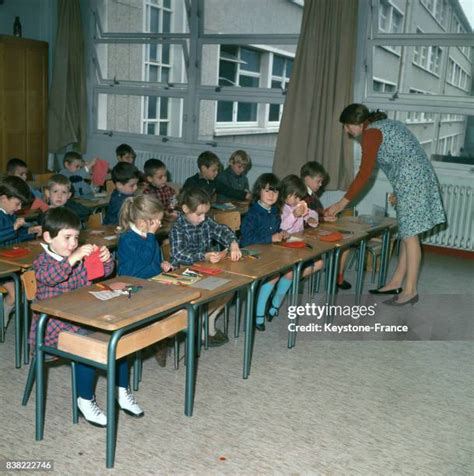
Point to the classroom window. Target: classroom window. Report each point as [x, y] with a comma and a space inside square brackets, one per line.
[281, 72]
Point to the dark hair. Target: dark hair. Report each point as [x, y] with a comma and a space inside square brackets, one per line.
[59, 179]
[313, 169]
[123, 172]
[262, 181]
[60, 218]
[15, 187]
[15, 163]
[192, 197]
[207, 159]
[124, 149]
[293, 185]
[152, 165]
[358, 114]
[71, 156]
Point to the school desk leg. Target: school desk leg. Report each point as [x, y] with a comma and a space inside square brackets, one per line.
[384, 257]
[333, 268]
[26, 328]
[294, 299]
[40, 377]
[16, 280]
[248, 341]
[190, 361]
[111, 409]
[360, 271]
[238, 303]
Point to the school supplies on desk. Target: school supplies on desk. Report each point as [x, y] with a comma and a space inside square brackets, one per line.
[330, 236]
[252, 254]
[174, 278]
[224, 206]
[94, 266]
[15, 252]
[210, 283]
[205, 269]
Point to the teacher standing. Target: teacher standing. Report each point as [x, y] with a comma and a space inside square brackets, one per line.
[395, 150]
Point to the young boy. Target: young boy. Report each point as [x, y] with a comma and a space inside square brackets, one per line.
[209, 165]
[156, 178]
[14, 192]
[17, 168]
[234, 176]
[60, 269]
[314, 175]
[125, 153]
[125, 176]
[58, 194]
[78, 171]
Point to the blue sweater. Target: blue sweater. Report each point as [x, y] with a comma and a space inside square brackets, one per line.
[10, 236]
[137, 256]
[113, 210]
[259, 224]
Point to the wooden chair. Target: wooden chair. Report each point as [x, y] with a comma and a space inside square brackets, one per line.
[95, 220]
[229, 218]
[109, 186]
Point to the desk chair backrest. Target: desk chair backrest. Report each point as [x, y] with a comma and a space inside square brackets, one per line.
[28, 279]
[166, 249]
[229, 218]
[95, 220]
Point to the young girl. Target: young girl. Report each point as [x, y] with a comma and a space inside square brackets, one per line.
[295, 213]
[60, 269]
[261, 224]
[191, 240]
[139, 254]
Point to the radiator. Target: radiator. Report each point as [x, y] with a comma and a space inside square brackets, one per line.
[457, 231]
[180, 167]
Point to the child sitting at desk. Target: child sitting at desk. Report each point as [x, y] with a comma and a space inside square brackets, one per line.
[125, 153]
[209, 165]
[191, 239]
[125, 177]
[314, 175]
[14, 192]
[78, 171]
[295, 214]
[18, 168]
[261, 225]
[139, 254]
[58, 194]
[234, 177]
[60, 269]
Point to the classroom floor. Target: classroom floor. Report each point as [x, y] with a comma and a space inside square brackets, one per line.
[328, 407]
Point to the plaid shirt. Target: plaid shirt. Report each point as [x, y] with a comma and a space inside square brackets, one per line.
[164, 194]
[54, 278]
[189, 242]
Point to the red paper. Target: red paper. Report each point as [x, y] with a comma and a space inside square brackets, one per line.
[294, 244]
[14, 253]
[205, 270]
[94, 266]
[99, 172]
[334, 236]
[38, 203]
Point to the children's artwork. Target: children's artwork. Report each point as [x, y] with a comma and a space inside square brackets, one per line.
[325, 235]
[210, 283]
[205, 269]
[293, 244]
[15, 252]
[294, 239]
[99, 172]
[94, 266]
[174, 278]
[106, 295]
[224, 206]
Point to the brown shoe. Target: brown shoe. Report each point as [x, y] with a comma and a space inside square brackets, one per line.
[161, 353]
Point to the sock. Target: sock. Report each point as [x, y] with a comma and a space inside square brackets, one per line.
[281, 290]
[340, 278]
[263, 296]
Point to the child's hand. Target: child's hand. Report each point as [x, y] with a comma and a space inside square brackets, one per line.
[330, 218]
[301, 209]
[312, 222]
[235, 253]
[166, 266]
[104, 254]
[213, 256]
[284, 235]
[80, 253]
[92, 162]
[277, 237]
[392, 199]
[248, 196]
[36, 230]
[19, 222]
[154, 225]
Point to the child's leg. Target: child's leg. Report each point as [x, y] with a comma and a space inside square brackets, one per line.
[10, 287]
[214, 310]
[282, 288]
[126, 399]
[265, 291]
[342, 266]
[317, 266]
[85, 377]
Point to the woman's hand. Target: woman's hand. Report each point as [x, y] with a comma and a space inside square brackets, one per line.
[336, 208]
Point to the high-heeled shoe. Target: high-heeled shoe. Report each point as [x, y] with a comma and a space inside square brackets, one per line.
[388, 291]
[393, 302]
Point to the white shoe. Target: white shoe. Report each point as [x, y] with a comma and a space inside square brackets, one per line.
[92, 412]
[128, 404]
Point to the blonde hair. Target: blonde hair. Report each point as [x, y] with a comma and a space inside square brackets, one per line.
[240, 157]
[140, 207]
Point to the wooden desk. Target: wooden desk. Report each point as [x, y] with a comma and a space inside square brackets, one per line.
[94, 204]
[118, 316]
[98, 236]
[11, 271]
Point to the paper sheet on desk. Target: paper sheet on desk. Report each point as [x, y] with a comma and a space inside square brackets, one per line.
[106, 295]
[210, 283]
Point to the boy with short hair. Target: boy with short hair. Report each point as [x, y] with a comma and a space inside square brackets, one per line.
[78, 171]
[234, 176]
[58, 194]
[125, 153]
[314, 175]
[209, 165]
[17, 168]
[156, 178]
[125, 176]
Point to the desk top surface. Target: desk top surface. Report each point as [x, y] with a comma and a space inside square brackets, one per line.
[358, 224]
[6, 268]
[81, 307]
